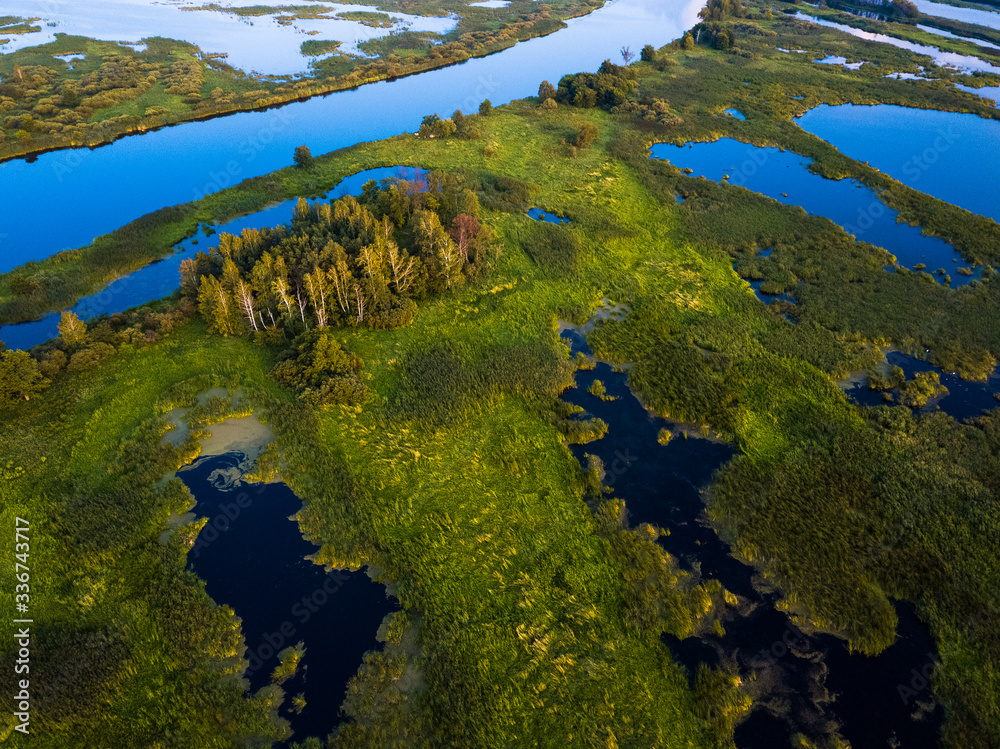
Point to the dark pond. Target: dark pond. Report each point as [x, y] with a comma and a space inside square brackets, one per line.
[964, 399]
[794, 672]
[251, 555]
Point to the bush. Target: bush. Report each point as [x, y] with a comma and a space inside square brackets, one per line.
[320, 370]
[19, 377]
[586, 135]
[89, 357]
[486, 108]
[434, 127]
[303, 157]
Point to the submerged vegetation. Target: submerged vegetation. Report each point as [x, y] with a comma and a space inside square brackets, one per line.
[412, 386]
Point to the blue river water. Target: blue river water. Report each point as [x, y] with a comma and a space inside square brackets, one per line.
[954, 157]
[785, 176]
[142, 173]
[163, 277]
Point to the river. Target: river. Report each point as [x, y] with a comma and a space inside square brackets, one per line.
[64, 199]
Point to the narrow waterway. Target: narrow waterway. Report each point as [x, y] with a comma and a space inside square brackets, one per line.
[965, 63]
[100, 190]
[162, 278]
[801, 683]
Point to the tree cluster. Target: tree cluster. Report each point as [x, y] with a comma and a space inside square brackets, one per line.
[349, 262]
[609, 87]
[462, 125]
[24, 374]
[719, 10]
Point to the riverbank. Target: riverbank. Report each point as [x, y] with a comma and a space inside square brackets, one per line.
[698, 85]
[217, 89]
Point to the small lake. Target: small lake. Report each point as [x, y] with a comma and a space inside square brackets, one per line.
[251, 556]
[785, 176]
[162, 278]
[963, 400]
[139, 174]
[552, 218]
[661, 484]
[952, 156]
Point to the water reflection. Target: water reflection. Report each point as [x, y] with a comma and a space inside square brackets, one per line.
[952, 156]
[139, 174]
[791, 675]
[252, 557]
[785, 176]
[162, 278]
[268, 42]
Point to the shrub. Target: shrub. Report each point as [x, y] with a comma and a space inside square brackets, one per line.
[303, 157]
[586, 135]
[320, 370]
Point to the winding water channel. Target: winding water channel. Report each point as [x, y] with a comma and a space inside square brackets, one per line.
[808, 684]
[100, 190]
[163, 277]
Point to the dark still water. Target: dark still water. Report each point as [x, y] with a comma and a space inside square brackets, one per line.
[800, 683]
[964, 399]
[252, 557]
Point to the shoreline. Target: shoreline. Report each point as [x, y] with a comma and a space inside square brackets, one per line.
[32, 155]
